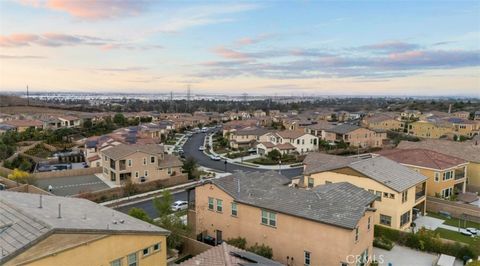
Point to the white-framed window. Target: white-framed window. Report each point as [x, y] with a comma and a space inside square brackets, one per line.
[379, 195]
[105, 158]
[234, 209]
[129, 162]
[369, 223]
[169, 170]
[144, 161]
[210, 203]
[219, 205]
[117, 262]
[146, 252]
[405, 218]
[311, 182]
[269, 218]
[156, 247]
[145, 173]
[446, 193]
[152, 159]
[306, 255]
[437, 176]
[357, 231]
[132, 259]
[136, 174]
[404, 196]
[385, 220]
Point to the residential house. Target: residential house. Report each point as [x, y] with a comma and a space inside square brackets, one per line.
[476, 115]
[235, 125]
[429, 129]
[321, 226]
[355, 136]
[383, 121]
[24, 124]
[246, 138]
[287, 141]
[69, 121]
[464, 127]
[5, 128]
[446, 174]
[468, 151]
[259, 113]
[400, 190]
[139, 163]
[462, 114]
[52, 230]
[319, 128]
[225, 254]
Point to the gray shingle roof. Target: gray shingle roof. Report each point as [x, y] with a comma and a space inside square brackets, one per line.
[339, 204]
[388, 172]
[23, 223]
[122, 150]
[343, 129]
[381, 169]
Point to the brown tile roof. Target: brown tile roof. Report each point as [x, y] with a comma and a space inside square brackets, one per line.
[24, 123]
[290, 134]
[285, 146]
[226, 255]
[379, 118]
[267, 144]
[465, 150]
[93, 158]
[68, 117]
[169, 161]
[423, 158]
[122, 150]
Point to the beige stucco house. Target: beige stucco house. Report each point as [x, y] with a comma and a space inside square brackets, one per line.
[287, 141]
[400, 191]
[355, 136]
[328, 225]
[139, 163]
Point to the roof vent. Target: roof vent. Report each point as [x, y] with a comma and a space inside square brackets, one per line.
[122, 221]
[40, 202]
[114, 221]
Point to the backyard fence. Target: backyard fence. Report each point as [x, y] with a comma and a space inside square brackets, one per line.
[456, 209]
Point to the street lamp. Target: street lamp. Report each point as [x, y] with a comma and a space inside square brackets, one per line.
[279, 166]
[225, 165]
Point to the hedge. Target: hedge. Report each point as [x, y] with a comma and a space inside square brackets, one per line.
[383, 243]
[429, 241]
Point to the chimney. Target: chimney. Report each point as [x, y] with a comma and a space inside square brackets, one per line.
[40, 202]
[59, 211]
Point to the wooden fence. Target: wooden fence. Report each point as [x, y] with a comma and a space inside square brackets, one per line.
[68, 173]
[457, 210]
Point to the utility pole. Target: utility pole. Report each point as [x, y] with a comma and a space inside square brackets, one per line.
[188, 98]
[28, 97]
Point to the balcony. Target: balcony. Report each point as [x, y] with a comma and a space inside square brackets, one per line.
[459, 175]
[419, 195]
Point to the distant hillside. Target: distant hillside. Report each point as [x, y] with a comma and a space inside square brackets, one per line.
[8, 100]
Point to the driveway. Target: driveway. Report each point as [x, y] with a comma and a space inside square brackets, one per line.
[403, 256]
[69, 186]
[197, 140]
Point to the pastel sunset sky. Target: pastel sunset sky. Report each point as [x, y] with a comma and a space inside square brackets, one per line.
[231, 47]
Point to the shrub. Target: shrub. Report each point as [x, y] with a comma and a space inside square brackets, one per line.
[383, 243]
[262, 250]
[239, 242]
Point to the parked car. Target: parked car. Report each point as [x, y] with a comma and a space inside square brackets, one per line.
[201, 148]
[143, 179]
[465, 232]
[472, 230]
[179, 205]
[2, 187]
[215, 157]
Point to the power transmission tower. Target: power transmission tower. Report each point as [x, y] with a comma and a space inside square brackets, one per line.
[28, 97]
[188, 98]
[172, 103]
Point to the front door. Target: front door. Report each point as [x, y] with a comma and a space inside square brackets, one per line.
[219, 237]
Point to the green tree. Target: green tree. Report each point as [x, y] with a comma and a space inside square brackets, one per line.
[163, 205]
[140, 214]
[239, 242]
[274, 155]
[87, 124]
[119, 119]
[129, 188]
[190, 167]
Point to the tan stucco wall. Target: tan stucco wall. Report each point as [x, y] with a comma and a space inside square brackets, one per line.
[105, 250]
[391, 207]
[360, 137]
[329, 245]
[473, 174]
[385, 125]
[436, 187]
[154, 173]
[428, 130]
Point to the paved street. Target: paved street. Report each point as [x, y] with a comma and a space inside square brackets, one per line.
[191, 149]
[147, 205]
[68, 186]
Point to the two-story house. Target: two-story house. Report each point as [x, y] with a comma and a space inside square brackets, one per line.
[287, 141]
[139, 163]
[328, 225]
[446, 174]
[383, 121]
[467, 150]
[246, 137]
[355, 136]
[432, 128]
[400, 190]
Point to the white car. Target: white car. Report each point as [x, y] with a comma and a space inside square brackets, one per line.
[472, 230]
[215, 157]
[179, 205]
[201, 148]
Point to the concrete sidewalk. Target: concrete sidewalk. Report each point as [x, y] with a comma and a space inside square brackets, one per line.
[432, 223]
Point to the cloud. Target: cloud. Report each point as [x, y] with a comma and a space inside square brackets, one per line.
[123, 69]
[92, 9]
[202, 15]
[253, 40]
[229, 53]
[314, 64]
[49, 39]
[390, 46]
[21, 57]
[140, 47]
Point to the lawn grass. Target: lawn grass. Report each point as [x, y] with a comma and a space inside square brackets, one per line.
[456, 236]
[454, 221]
